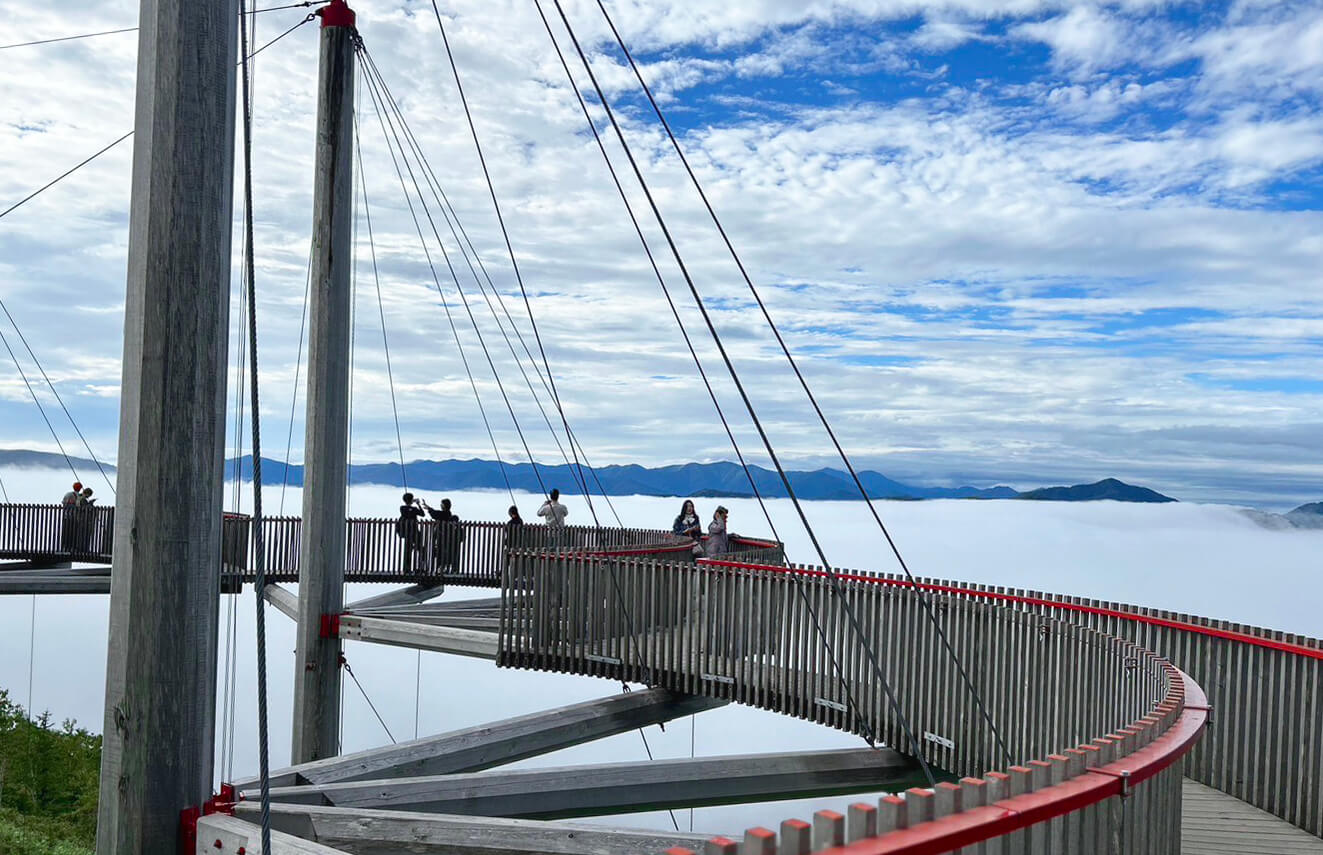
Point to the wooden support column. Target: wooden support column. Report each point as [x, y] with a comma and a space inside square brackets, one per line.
[321, 575]
[161, 667]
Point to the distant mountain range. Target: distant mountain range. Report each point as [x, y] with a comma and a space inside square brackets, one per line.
[1306, 516]
[1107, 488]
[726, 480]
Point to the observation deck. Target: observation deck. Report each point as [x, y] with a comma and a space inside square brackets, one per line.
[1102, 727]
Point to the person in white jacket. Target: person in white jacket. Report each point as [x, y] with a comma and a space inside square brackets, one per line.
[553, 511]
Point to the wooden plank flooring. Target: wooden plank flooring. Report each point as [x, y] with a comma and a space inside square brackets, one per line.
[1213, 823]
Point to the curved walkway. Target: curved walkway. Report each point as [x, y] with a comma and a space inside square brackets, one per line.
[1213, 823]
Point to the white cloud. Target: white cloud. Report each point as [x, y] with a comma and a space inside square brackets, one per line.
[994, 233]
[1083, 40]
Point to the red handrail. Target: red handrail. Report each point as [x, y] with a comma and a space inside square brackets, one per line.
[1007, 815]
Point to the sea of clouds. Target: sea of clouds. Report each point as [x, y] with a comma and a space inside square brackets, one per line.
[1203, 559]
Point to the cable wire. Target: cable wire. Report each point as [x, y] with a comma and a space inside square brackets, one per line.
[767, 444]
[470, 255]
[135, 29]
[345, 662]
[59, 400]
[381, 308]
[895, 549]
[505, 233]
[64, 175]
[259, 541]
[491, 187]
[643, 241]
[445, 303]
[69, 38]
[68, 461]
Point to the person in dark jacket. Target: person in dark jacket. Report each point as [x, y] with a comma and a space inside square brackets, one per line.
[687, 524]
[407, 528]
[446, 537]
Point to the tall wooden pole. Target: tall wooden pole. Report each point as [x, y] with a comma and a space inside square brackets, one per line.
[165, 589]
[322, 566]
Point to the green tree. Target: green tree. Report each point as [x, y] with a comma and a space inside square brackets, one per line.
[48, 784]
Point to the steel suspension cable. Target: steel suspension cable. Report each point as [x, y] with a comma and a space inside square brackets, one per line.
[70, 38]
[381, 308]
[519, 278]
[58, 399]
[863, 492]
[304, 4]
[470, 254]
[445, 304]
[466, 247]
[294, 391]
[799, 583]
[643, 241]
[463, 297]
[491, 188]
[67, 460]
[64, 175]
[259, 541]
[505, 233]
[739, 385]
[102, 151]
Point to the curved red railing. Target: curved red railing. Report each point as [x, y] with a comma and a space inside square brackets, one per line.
[1012, 814]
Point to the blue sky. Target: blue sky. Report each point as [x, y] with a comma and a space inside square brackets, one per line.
[1012, 242]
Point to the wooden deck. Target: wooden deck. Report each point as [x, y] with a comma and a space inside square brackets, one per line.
[1213, 823]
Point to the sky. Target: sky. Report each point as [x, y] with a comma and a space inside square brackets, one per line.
[1016, 242]
[1207, 560]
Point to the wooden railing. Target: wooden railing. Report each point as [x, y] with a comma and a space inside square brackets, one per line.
[56, 532]
[470, 553]
[1266, 687]
[1074, 705]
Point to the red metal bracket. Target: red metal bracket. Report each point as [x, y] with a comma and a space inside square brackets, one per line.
[336, 14]
[188, 817]
[330, 627]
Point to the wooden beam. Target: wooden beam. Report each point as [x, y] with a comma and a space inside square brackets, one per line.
[574, 791]
[55, 582]
[496, 743]
[283, 599]
[160, 698]
[396, 633]
[219, 834]
[388, 832]
[399, 597]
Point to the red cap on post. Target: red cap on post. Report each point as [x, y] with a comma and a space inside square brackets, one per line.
[336, 14]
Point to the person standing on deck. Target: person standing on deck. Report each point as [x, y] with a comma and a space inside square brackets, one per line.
[86, 518]
[69, 517]
[553, 511]
[718, 542]
[514, 528]
[446, 538]
[687, 523]
[407, 528]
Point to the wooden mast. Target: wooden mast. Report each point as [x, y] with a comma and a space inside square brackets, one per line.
[161, 666]
[321, 577]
